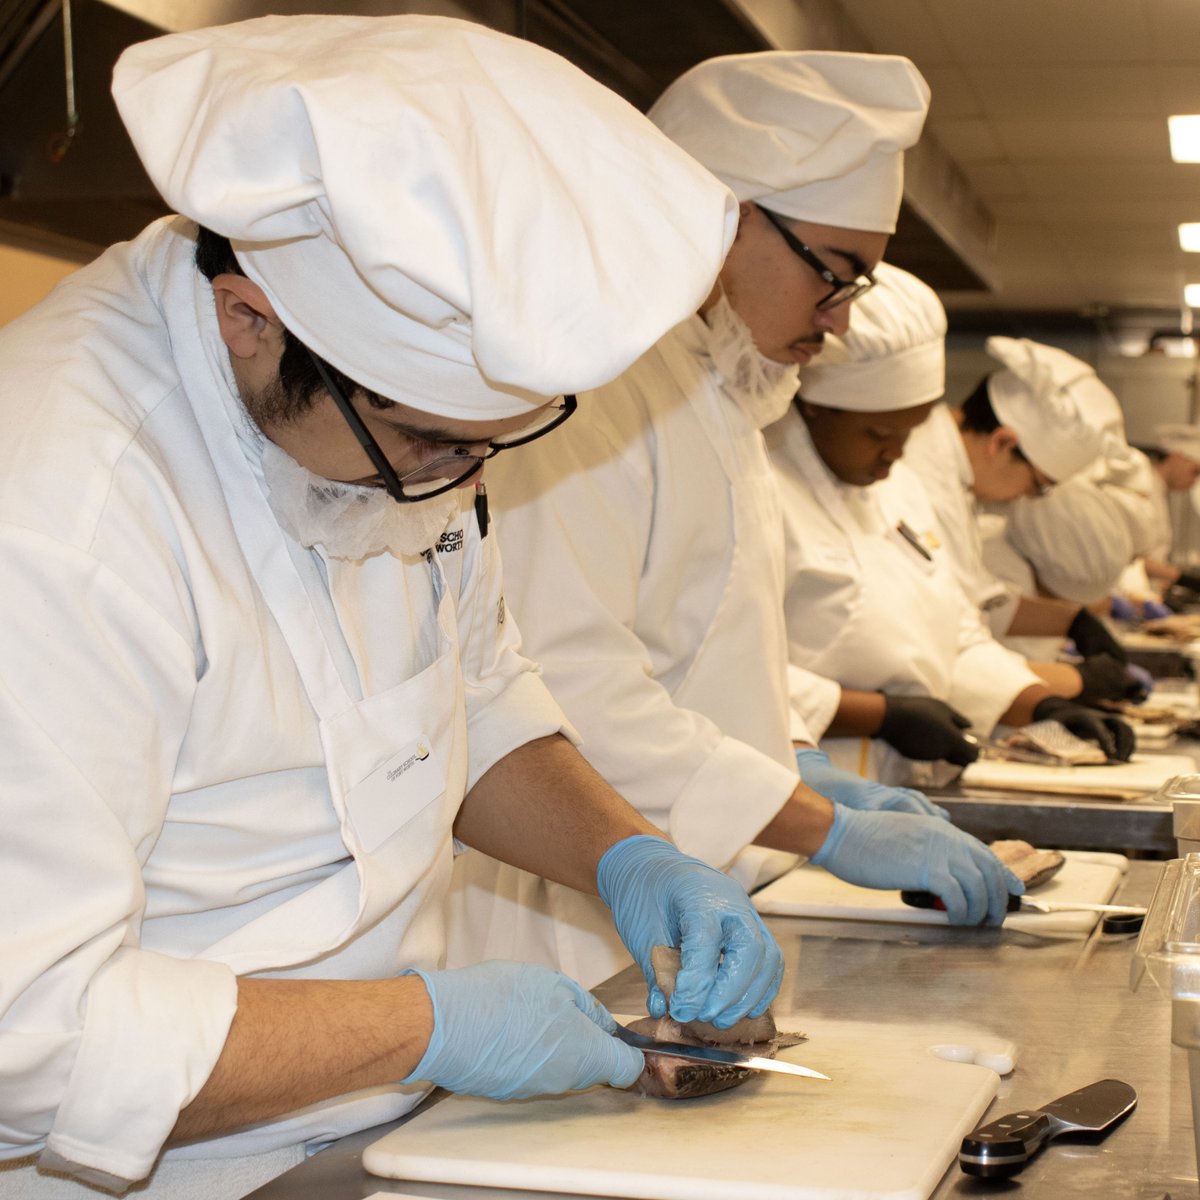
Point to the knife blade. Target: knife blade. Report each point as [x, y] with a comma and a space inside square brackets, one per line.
[714, 1055]
[1002, 1147]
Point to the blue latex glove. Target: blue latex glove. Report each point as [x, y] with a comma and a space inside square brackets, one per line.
[1120, 608]
[1144, 680]
[1153, 609]
[510, 1030]
[731, 966]
[899, 850]
[853, 791]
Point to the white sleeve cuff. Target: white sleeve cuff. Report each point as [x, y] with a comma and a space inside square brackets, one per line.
[155, 1027]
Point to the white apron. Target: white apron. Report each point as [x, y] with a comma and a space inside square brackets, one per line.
[397, 768]
[496, 911]
[866, 607]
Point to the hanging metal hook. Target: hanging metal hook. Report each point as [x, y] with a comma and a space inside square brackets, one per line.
[60, 143]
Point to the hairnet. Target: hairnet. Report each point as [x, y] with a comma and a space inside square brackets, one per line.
[457, 219]
[816, 136]
[893, 356]
[1055, 404]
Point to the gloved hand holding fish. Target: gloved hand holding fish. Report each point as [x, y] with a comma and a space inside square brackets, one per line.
[844, 787]
[914, 853]
[659, 896]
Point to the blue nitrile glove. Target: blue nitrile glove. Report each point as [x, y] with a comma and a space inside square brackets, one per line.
[732, 967]
[1144, 681]
[1121, 608]
[1153, 609]
[510, 1030]
[900, 850]
[853, 791]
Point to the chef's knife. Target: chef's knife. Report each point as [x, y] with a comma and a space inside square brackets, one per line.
[1030, 904]
[713, 1055]
[1002, 1147]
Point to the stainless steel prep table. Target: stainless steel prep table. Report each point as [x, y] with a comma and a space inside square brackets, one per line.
[1065, 1002]
[1068, 822]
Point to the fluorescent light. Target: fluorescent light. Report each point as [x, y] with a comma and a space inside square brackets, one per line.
[1185, 138]
[1191, 295]
[1189, 236]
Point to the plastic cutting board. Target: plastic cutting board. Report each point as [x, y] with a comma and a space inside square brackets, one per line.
[812, 892]
[885, 1127]
[1143, 773]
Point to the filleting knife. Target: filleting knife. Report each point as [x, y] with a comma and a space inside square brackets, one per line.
[1002, 1147]
[714, 1055]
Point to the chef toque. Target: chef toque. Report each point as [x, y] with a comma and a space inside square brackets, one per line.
[1056, 405]
[1076, 539]
[893, 356]
[459, 220]
[1181, 439]
[816, 136]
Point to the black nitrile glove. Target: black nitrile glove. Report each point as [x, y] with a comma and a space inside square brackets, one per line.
[1111, 734]
[1091, 636]
[1104, 678]
[923, 728]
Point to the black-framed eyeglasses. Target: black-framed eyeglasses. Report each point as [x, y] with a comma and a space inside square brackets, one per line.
[1041, 487]
[551, 417]
[843, 289]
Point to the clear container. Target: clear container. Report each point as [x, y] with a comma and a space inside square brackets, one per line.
[1168, 950]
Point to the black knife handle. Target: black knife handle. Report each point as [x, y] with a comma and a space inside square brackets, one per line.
[1002, 1147]
[929, 900]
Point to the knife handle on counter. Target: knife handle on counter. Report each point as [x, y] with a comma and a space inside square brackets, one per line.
[929, 900]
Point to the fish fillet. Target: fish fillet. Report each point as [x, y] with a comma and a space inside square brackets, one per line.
[677, 1078]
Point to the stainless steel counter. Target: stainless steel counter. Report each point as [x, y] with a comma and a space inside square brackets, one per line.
[1065, 1002]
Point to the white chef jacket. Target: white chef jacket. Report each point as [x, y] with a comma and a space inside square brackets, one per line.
[936, 454]
[643, 558]
[204, 727]
[866, 607]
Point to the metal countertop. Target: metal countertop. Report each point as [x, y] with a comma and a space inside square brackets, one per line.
[1065, 1002]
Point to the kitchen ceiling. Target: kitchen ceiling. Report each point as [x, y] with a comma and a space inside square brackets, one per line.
[1043, 194]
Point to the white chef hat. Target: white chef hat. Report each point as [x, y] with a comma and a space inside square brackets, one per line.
[893, 355]
[1076, 538]
[817, 136]
[1182, 439]
[1055, 404]
[457, 219]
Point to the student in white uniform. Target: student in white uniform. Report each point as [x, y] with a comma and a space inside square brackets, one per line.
[872, 600]
[1176, 460]
[1080, 539]
[644, 550]
[1021, 433]
[246, 709]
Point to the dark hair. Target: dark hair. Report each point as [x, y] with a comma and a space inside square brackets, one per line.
[299, 380]
[978, 415]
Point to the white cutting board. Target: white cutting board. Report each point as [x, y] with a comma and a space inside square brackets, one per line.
[884, 1127]
[812, 892]
[1143, 773]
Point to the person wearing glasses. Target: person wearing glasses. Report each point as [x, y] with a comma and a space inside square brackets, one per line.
[257, 669]
[643, 545]
[871, 598]
[1023, 432]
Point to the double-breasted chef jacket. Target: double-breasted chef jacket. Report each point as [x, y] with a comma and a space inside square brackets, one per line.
[871, 610]
[225, 755]
[643, 556]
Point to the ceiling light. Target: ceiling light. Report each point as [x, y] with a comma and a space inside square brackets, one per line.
[1189, 236]
[1191, 295]
[1185, 138]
